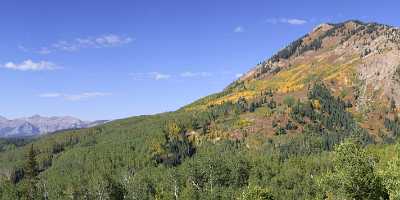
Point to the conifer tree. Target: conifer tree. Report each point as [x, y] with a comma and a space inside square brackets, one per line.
[30, 173]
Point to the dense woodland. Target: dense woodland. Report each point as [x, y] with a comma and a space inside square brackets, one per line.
[188, 155]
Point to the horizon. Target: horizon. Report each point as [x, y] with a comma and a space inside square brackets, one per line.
[96, 66]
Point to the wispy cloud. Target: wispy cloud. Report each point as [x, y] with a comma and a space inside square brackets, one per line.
[159, 76]
[163, 76]
[22, 48]
[238, 29]
[44, 50]
[50, 95]
[103, 41]
[74, 97]
[195, 74]
[181, 76]
[29, 65]
[150, 75]
[291, 21]
[296, 21]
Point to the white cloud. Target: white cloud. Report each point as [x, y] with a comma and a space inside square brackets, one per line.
[29, 65]
[103, 41]
[74, 97]
[195, 74]
[238, 29]
[296, 21]
[291, 21]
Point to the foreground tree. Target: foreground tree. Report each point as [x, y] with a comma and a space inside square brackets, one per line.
[391, 175]
[353, 175]
[31, 173]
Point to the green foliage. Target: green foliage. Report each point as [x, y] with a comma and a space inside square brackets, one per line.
[176, 155]
[392, 105]
[353, 175]
[177, 146]
[256, 193]
[289, 100]
[30, 174]
[8, 190]
[12, 143]
[390, 175]
[280, 131]
[332, 115]
[393, 126]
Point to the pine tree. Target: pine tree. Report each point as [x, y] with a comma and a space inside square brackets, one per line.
[30, 173]
[392, 105]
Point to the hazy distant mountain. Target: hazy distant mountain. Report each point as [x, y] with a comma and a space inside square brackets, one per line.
[38, 125]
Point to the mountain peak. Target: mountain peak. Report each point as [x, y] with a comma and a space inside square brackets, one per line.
[350, 24]
[35, 116]
[323, 27]
[354, 21]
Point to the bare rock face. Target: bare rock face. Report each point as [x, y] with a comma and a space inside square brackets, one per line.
[38, 125]
[371, 50]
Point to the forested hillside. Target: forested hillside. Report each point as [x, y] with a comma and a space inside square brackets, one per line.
[303, 125]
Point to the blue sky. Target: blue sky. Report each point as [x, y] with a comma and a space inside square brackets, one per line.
[113, 59]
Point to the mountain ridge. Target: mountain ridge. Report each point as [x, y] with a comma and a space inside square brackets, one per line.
[37, 125]
[346, 53]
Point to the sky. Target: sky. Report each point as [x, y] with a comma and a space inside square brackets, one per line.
[113, 59]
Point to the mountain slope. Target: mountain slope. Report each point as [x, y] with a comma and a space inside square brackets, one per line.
[268, 135]
[358, 61]
[349, 54]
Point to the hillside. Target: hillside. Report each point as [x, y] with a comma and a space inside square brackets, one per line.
[349, 54]
[317, 120]
[358, 61]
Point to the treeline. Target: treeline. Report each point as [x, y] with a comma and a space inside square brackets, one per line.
[8, 144]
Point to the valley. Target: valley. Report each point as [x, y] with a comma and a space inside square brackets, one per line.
[317, 120]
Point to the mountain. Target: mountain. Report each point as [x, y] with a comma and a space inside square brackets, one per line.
[38, 125]
[358, 61]
[345, 54]
[317, 120]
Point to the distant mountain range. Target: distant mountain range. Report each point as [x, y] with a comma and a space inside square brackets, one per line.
[38, 125]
